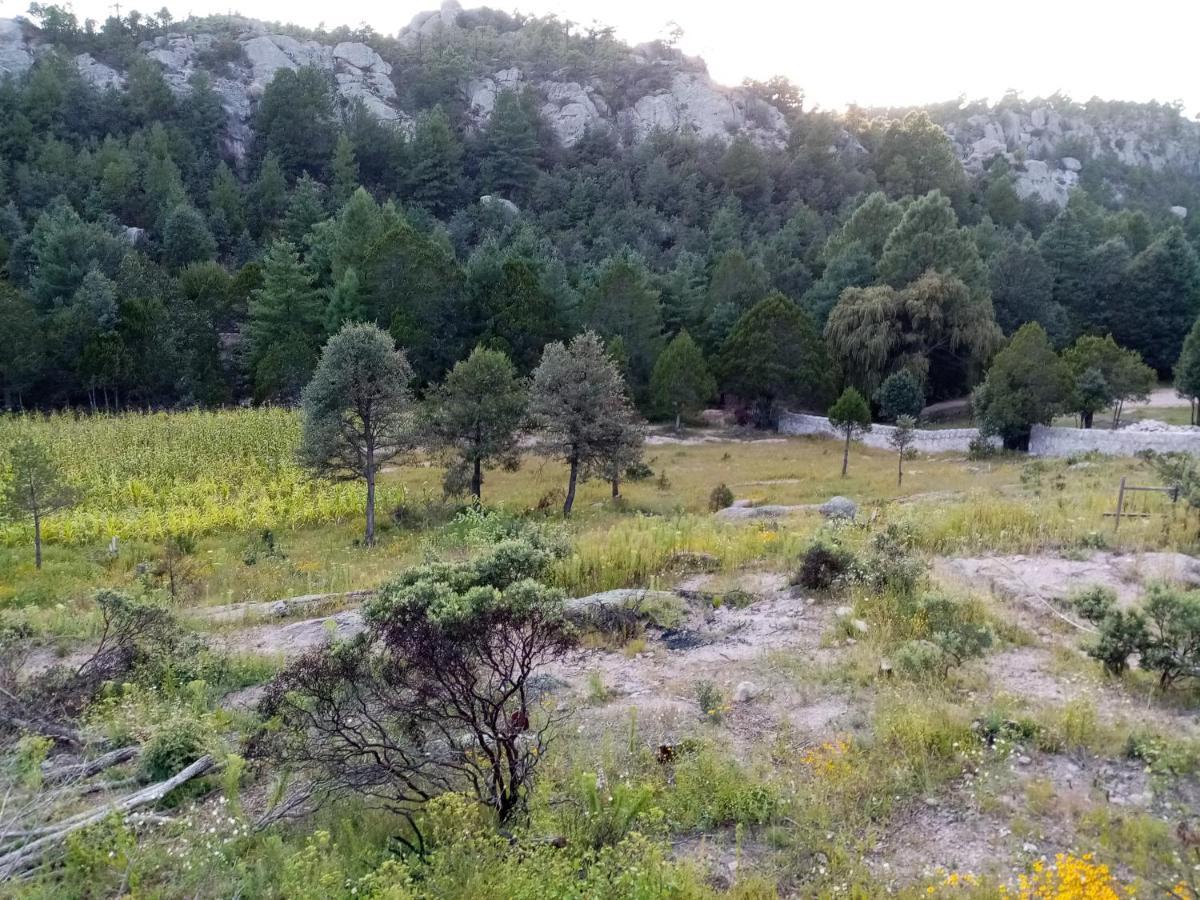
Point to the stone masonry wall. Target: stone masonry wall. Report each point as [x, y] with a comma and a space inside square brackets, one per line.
[925, 440]
[1046, 441]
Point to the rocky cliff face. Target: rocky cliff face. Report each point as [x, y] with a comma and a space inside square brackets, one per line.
[691, 102]
[1047, 143]
[1048, 147]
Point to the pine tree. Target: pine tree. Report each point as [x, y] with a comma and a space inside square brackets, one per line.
[1187, 368]
[681, 383]
[510, 152]
[1161, 300]
[434, 177]
[852, 417]
[345, 302]
[620, 301]
[474, 414]
[285, 327]
[774, 356]
[344, 167]
[225, 195]
[36, 487]
[357, 410]
[578, 404]
[929, 237]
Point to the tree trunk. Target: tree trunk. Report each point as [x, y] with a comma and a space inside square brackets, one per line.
[477, 480]
[37, 539]
[370, 537]
[846, 454]
[616, 486]
[570, 501]
[1087, 418]
[677, 421]
[900, 468]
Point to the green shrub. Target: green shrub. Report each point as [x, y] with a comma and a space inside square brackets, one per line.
[822, 566]
[710, 700]
[1094, 602]
[174, 747]
[720, 498]
[919, 659]
[901, 394]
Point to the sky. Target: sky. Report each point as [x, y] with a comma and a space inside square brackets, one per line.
[869, 52]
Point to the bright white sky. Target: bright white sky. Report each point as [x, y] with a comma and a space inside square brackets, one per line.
[870, 52]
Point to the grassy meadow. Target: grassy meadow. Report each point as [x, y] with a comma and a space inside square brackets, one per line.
[263, 530]
[815, 789]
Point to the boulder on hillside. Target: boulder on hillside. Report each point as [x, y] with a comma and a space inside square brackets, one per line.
[839, 508]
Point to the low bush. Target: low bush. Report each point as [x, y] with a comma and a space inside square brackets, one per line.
[1164, 633]
[822, 566]
[720, 498]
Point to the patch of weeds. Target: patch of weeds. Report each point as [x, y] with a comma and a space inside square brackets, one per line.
[598, 693]
[735, 599]
[634, 646]
[1040, 796]
[712, 703]
[1163, 755]
[1074, 726]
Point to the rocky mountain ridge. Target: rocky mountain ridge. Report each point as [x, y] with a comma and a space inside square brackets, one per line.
[1047, 143]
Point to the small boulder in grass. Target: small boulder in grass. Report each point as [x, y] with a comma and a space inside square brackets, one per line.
[839, 508]
[746, 691]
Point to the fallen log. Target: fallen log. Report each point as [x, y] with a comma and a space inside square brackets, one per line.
[80, 771]
[28, 856]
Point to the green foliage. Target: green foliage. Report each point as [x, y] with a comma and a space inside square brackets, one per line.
[1160, 301]
[285, 327]
[357, 409]
[1187, 367]
[823, 566]
[711, 701]
[773, 356]
[901, 394]
[851, 415]
[475, 414]
[578, 402]
[1117, 375]
[294, 120]
[681, 383]
[934, 327]
[1027, 385]
[720, 497]
[172, 748]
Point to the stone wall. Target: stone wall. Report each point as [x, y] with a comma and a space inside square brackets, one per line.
[1068, 441]
[925, 440]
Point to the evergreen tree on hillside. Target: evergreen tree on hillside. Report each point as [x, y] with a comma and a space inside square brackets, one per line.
[344, 170]
[435, 159]
[620, 302]
[929, 237]
[510, 307]
[509, 161]
[774, 357]
[295, 121]
[681, 383]
[916, 157]
[285, 327]
[1161, 300]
